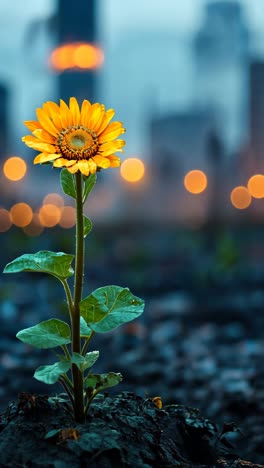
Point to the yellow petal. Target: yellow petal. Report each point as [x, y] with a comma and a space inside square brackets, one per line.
[92, 166]
[101, 161]
[44, 157]
[66, 117]
[62, 162]
[113, 130]
[32, 125]
[85, 112]
[73, 169]
[112, 144]
[75, 111]
[34, 143]
[111, 147]
[46, 123]
[84, 167]
[97, 117]
[109, 114]
[95, 108]
[44, 136]
[53, 111]
[114, 160]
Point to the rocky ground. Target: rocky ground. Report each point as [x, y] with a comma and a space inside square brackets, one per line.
[205, 352]
[199, 342]
[125, 431]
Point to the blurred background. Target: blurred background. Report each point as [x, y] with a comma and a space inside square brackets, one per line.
[181, 222]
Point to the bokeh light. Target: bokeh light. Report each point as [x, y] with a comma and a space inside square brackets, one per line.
[195, 181]
[34, 228]
[256, 186]
[21, 214]
[67, 217]
[132, 170]
[15, 168]
[5, 220]
[240, 197]
[53, 199]
[62, 57]
[49, 215]
[76, 55]
[88, 56]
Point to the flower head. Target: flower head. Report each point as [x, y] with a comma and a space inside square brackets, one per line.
[79, 139]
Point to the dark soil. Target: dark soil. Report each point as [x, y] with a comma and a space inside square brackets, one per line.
[124, 431]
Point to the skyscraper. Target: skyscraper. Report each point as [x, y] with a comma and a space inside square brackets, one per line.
[3, 121]
[221, 58]
[77, 23]
[256, 115]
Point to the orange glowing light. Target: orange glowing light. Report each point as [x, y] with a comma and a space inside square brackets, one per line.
[256, 186]
[53, 199]
[67, 217]
[49, 215]
[62, 57]
[5, 220]
[195, 181]
[88, 56]
[15, 168]
[76, 55]
[132, 170]
[240, 197]
[34, 228]
[21, 214]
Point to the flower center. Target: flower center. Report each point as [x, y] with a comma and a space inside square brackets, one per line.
[77, 142]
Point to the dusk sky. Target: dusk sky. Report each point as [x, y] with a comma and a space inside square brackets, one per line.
[119, 15]
[116, 19]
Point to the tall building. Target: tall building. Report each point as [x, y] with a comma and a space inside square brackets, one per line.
[3, 122]
[181, 142]
[256, 115]
[221, 49]
[77, 23]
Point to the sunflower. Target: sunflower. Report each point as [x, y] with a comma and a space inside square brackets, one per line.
[79, 139]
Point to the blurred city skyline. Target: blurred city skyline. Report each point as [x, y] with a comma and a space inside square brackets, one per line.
[176, 73]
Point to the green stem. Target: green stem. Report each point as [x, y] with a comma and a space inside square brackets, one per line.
[78, 282]
[69, 296]
[67, 389]
[90, 401]
[86, 343]
[66, 352]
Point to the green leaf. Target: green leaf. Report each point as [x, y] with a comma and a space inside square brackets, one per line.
[45, 335]
[84, 362]
[89, 183]
[87, 226]
[50, 374]
[67, 183]
[85, 331]
[55, 263]
[109, 307]
[52, 433]
[99, 382]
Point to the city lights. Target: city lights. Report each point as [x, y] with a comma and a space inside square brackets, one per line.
[5, 220]
[256, 186]
[49, 215]
[67, 217]
[15, 168]
[132, 170]
[77, 56]
[88, 56]
[34, 228]
[195, 181]
[240, 197]
[53, 199]
[21, 214]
